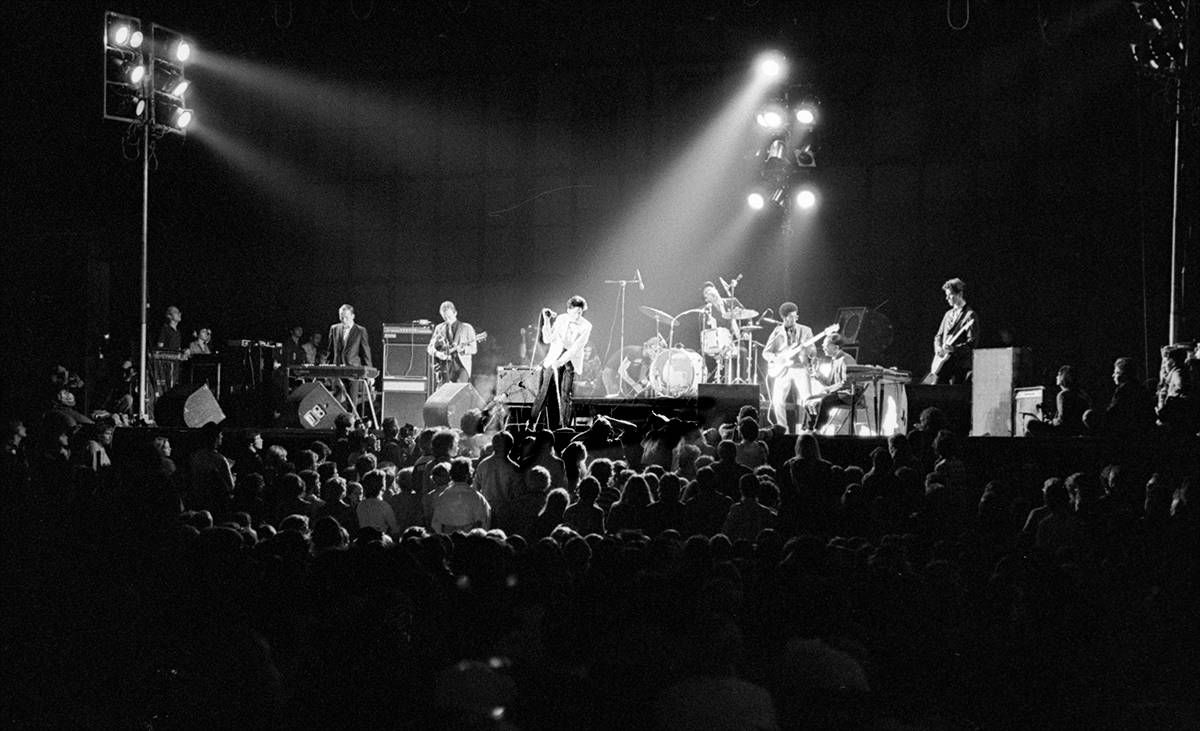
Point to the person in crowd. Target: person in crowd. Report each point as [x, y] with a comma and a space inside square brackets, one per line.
[289, 489]
[629, 513]
[808, 493]
[705, 513]
[551, 515]
[1176, 400]
[211, 476]
[748, 517]
[574, 457]
[666, 513]
[539, 452]
[373, 511]
[751, 450]
[728, 470]
[524, 507]
[497, 475]
[460, 507]
[584, 516]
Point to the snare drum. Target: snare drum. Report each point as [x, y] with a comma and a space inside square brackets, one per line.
[676, 372]
[715, 341]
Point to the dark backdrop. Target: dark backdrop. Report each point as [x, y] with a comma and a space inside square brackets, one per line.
[487, 153]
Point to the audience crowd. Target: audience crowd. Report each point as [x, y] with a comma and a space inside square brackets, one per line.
[653, 576]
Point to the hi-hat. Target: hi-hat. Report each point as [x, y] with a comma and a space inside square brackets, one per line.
[747, 328]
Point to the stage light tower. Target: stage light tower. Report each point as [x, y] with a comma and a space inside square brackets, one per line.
[144, 88]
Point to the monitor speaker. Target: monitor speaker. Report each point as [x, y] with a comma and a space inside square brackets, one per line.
[447, 404]
[311, 406]
[188, 405]
[995, 373]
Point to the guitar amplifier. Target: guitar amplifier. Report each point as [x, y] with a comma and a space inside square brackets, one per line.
[404, 353]
[516, 384]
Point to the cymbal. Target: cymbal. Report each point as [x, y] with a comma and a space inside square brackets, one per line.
[656, 314]
[694, 310]
[746, 328]
[743, 313]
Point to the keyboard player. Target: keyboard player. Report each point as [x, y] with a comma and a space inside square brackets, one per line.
[348, 346]
[832, 388]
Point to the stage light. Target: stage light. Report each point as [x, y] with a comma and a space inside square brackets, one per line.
[135, 39]
[136, 73]
[180, 88]
[806, 199]
[183, 117]
[805, 115]
[775, 151]
[121, 35]
[779, 195]
[770, 118]
[170, 114]
[756, 201]
[183, 51]
[771, 66]
[805, 157]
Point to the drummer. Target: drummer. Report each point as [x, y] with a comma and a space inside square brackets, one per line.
[716, 310]
[627, 372]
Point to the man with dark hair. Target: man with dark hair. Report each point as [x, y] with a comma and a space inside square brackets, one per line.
[1071, 405]
[211, 473]
[564, 358]
[373, 511]
[293, 347]
[832, 389]
[956, 338]
[348, 346]
[789, 361]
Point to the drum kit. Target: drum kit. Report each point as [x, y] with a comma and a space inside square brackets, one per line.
[678, 371]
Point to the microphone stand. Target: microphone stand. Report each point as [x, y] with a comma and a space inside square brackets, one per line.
[621, 315]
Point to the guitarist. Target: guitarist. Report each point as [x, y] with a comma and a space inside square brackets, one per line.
[452, 345]
[955, 339]
[788, 335]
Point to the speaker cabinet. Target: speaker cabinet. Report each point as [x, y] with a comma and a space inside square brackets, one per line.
[403, 400]
[192, 406]
[1028, 403]
[311, 406]
[719, 403]
[447, 404]
[995, 372]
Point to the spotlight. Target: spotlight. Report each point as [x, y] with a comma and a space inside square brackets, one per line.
[770, 118]
[183, 117]
[170, 114]
[806, 199]
[121, 35]
[805, 157]
[771, 66]
[183, 51]
[805, 115]
[135, 39]
[756, 201]
[180, 88]
[775, 151]
[136, 73]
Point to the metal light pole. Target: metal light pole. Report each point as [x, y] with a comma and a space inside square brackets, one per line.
[143, 351]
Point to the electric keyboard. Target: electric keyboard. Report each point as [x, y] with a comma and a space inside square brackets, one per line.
[332, 371]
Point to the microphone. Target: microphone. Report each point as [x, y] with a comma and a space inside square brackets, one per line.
[772, 321]
[641, 284]
[737, 279]
[724, 284]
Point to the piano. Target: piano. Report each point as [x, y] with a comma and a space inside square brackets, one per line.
[332, 371]
[881, 391]
[877, 374]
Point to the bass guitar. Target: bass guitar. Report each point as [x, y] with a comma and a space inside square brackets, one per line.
[779, 363]
[939, 359]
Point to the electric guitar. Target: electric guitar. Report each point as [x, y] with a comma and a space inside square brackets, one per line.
[443, 365]
[939, 359]
[779, 363]
[636, 387]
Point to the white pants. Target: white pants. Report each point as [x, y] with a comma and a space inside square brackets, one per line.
[797, 377]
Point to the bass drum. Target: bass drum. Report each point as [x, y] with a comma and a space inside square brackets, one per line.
[676, 372]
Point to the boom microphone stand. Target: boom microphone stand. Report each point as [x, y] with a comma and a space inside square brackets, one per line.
[621, 306]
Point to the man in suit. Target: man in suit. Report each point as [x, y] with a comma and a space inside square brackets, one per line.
[452, 345]
[348, 347]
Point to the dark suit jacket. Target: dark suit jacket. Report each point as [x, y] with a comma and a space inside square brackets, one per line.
[355, 352]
